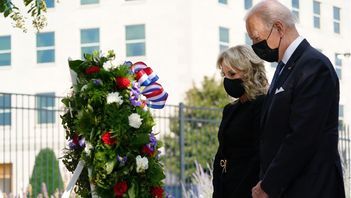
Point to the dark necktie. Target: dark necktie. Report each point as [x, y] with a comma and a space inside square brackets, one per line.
[278, 70]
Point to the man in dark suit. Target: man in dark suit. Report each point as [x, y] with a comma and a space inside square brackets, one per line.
[299, 125]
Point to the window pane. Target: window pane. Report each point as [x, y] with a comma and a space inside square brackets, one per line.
[316, 22]
[5, 109]
[89, 50]
[338, 72]
[5, 42]
[337, 27]
[224, 34]
[50, 3]
[223, 1]
[341, 127]
[5, 59]
[296, 15]
[338, 60]
[223, 47]
[135, 49]
[341, 110]
[46, 116]
[5, 101]
[45, 103]
[336, 13]
[295, 4]
[84, 2]
[90, 35]
[5, 118]
[248, 4]
[248, 41]
[5, 177]
[316, 7]
[45, 39]
[135, 32]
[45, 56]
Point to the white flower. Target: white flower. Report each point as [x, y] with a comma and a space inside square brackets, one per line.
[135, 120]
[141, 164]
[88, 148]
[84, 88]
[108, 66]
[142, 97]
[114, 97]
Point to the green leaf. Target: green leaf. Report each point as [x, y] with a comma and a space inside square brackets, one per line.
[7, 12]
[109, 166]
[74, 65]
[131, 191]
[141, 139]
[2, 7]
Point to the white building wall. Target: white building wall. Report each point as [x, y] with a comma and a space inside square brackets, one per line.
[182, 41]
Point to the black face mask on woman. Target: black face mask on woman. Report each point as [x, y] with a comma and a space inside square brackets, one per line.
[265, 52]
[234, 87]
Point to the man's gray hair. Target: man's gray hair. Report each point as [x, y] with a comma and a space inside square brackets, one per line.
[271, 11]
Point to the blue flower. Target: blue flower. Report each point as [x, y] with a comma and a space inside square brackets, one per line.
[122, 160]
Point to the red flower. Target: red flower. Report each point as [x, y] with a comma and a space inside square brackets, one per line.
[157, 192]
[120, 188]
[122, 82]
[92, 69]
[75, 139]
[106, 138]
[147, 151]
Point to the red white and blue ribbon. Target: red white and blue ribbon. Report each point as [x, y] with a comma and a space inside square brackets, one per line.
[154, 92]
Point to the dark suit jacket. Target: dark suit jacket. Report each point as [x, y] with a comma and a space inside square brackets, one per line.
[238, 138]
[299, 143]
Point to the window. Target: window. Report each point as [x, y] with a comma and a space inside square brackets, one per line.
[90, 40]
[45, 47]
[341, 111]
[295, 4]
[338, 66]
[5, 178]
[248, 41]
[336, 19]
[135, 40]
[5, 109]
[223, 1]
[223, 38]
[5, 51]
[86, 2]
[50, 3]
[316, 14]
[341, 117]
[248, 4]
[45, 104]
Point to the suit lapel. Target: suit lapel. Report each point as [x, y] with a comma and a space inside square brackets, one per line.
[283, 76]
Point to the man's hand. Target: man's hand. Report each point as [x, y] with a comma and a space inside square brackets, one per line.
[257, 192]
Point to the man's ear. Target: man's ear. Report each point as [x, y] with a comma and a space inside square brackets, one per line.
[280, 27]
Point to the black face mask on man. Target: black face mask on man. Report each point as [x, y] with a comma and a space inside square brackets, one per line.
[266, 53]
[234, 87]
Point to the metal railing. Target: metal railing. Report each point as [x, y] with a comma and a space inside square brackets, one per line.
[31, 136]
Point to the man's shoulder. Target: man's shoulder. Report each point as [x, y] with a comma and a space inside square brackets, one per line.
[313, 60]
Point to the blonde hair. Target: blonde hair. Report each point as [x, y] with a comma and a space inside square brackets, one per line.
[244, 59]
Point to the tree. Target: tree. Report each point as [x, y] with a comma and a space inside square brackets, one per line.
[35, 8]
[202, 115]
[46, 170]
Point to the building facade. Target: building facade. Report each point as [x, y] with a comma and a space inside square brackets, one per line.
[179, 39]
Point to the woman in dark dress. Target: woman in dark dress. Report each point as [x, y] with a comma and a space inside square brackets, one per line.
[236, 165]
